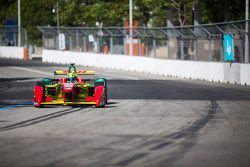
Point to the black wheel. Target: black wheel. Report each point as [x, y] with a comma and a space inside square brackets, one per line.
[41, 84]
[106, 93]
[103, 82]
[102, 106]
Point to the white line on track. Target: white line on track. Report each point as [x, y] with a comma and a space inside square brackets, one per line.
[28, 80]
[32, 70]
[118, 76]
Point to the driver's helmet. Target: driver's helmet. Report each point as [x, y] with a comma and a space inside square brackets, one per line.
[72, 76]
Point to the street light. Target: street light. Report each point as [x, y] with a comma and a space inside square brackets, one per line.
[246, 34]
[57, 20]
[130, 27]
[19, 23]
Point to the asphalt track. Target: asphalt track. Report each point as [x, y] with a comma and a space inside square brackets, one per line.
[149, 121]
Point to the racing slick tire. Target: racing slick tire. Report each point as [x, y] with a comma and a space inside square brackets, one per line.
[103, 82]
[38, 94]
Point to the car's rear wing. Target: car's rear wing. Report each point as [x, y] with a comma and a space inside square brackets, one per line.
[79, 72]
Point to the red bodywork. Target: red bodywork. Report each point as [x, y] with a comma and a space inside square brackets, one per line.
[38, 95]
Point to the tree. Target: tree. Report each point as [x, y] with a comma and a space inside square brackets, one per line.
[222, 10]
[112, 12]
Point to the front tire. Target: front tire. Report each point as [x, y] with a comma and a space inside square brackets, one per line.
[103, 82]
[38, 94]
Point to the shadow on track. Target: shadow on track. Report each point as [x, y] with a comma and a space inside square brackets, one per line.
[43, 118]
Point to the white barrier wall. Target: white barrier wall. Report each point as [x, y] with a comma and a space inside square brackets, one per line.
[209, 71]
[232, 73]
[12, 52]
[245, 74]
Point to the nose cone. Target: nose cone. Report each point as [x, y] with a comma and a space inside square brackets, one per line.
[68, 87]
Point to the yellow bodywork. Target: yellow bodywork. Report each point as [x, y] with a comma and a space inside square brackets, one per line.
[67, 103]
[78, 72]
[56, 92]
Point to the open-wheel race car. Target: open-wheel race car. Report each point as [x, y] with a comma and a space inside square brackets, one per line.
[72, 89]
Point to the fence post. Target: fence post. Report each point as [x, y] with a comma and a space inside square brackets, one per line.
[222, 50]
[154, 47]
[139, 46]
[124, 45]
[195, 49]
[241, 50]
[55, 42]
[77, 39]
[111, 45]
[182, 49]
[15, 44]
[84, 43]
[168, 51]
[210, 49]
[43, 38]
[26, 38]
[45, 42]
[70, 42]
[97, 44]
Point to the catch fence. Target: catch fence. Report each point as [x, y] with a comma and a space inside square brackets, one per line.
[9, 36]
[199, 43]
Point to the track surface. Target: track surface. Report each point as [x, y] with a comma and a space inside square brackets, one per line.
[149, 121]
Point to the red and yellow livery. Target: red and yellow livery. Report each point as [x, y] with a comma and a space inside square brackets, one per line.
[71, 90]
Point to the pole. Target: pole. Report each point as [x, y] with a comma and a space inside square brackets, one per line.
[19, 23]
[246, 34]
[131, 27]
[57, 18]
[210, 57]
[182, 49]
[124, 38]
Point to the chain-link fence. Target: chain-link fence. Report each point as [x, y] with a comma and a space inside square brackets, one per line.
[201, 43]
[9, 36]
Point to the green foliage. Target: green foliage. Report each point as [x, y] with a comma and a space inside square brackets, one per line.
[222, 10]
[113, 12]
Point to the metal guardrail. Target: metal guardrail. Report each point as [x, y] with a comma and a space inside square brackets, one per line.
[202, 42]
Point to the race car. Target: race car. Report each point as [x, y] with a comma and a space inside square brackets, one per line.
[71, 89]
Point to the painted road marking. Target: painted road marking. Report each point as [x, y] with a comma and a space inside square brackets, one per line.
[28, 80]
[114, 76]
[16, 105]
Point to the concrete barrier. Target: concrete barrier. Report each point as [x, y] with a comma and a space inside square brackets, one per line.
[12, 52]
[245, 74]
[232, 73]
[216, 72]
[210, 71]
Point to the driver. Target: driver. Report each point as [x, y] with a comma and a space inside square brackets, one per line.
[72, 76]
